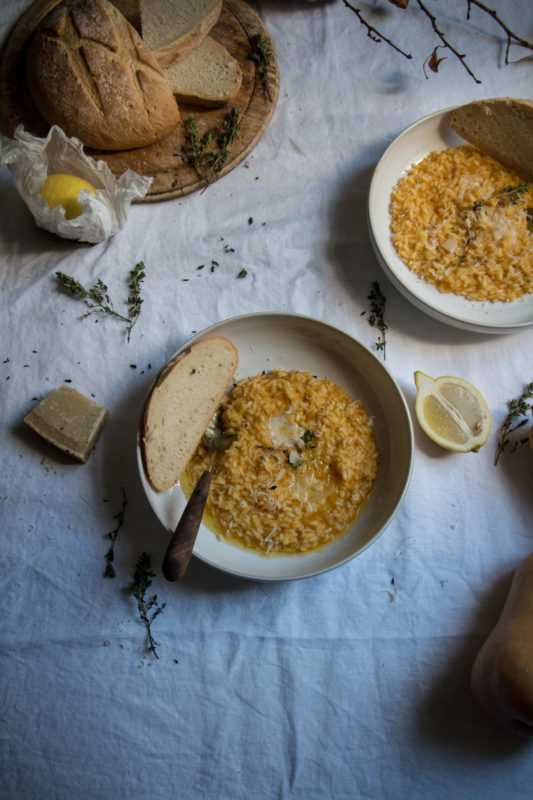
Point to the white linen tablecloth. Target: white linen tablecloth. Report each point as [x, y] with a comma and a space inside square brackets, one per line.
[353, 684]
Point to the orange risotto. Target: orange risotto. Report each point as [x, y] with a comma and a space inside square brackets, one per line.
[460, 220]
[301, 467]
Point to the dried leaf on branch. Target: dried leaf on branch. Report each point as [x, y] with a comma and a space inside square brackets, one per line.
[434, 60]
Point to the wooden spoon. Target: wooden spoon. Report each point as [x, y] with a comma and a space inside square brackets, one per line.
[181, 545]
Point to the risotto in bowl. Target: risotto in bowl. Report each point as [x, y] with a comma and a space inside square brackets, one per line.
[452, 229]
[319, 459]
[301, 466]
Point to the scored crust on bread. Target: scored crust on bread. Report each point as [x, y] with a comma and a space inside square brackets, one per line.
[501, 127]
[90, 72]
[172, 28]
[184, 399]
[207, 76]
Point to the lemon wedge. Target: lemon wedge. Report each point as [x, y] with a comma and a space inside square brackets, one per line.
[62, 189]
[452, 412]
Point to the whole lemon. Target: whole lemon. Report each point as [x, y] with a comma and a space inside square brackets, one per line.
[62, 189]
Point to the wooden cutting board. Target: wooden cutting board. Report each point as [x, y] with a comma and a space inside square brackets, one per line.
[172, 175]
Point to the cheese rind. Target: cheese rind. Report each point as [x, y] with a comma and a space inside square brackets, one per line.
[68, 420]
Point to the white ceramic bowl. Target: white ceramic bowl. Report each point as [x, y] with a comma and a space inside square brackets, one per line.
[288, 341]
[429, 134]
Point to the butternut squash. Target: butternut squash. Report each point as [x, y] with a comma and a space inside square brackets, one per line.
[502, 674]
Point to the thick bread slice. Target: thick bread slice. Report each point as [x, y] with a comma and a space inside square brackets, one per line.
[172, 28]
[184, 399]
[90, 72]
[207, 76]
[501, 127]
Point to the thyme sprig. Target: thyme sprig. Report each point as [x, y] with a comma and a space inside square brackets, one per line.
[135, 301]
[230, 129]
[261, 54]
[109, 571]
[208, 160]
[148, 609]
[519, 409]
[195, 151]
[97, 298]
[511, 193]
[377, 316]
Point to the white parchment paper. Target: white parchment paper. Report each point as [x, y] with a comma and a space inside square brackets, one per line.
[31, 159]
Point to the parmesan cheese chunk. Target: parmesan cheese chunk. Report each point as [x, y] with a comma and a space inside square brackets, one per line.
[68, 420]
[283, 432]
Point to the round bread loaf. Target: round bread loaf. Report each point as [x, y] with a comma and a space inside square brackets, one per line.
[90, 73]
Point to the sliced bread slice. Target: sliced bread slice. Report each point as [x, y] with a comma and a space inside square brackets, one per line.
[172, 28]
[501, 127]
[206, 76]
[185, 397]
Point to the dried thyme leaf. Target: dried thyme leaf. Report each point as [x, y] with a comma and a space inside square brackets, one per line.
[148, 609]
[516, 418]
[307, 440]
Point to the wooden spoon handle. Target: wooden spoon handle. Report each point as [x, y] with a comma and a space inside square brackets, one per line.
[181, 545]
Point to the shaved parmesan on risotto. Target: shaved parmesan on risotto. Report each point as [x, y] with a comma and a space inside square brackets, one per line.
[301, 467]
[461, 221]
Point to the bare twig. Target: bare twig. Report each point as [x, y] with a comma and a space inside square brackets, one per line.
[372, 32]
[433, 60]
[512, 38]
[444, 40]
